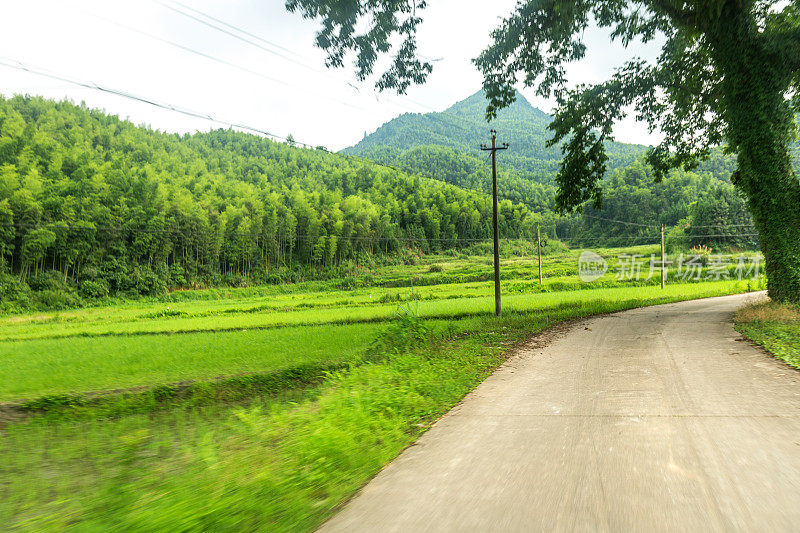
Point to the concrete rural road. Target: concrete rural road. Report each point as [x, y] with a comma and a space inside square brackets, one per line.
[652, 419]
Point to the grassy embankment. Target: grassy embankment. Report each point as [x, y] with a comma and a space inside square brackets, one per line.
[774, 326]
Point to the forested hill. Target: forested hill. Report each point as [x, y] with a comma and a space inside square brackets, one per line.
[463, 127]
[445, 146]
[103, 206]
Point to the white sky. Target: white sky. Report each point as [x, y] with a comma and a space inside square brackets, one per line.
[81, 40]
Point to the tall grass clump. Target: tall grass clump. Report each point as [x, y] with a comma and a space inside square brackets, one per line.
[403, 334]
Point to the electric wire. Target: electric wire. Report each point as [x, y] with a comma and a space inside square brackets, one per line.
[226, 62]
[255, 44]
[12, 63]
[722, 235]
[236, 28]
[691, 226]
[187, 48]
[723, 226]
[284, 49]
[254, 36]
[228, 32]
[621, 221]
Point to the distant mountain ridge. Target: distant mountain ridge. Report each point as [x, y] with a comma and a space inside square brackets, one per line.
[463, 127]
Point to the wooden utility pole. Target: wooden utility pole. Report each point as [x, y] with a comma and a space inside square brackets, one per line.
[663, 259]
[494, 148]
[539, 245]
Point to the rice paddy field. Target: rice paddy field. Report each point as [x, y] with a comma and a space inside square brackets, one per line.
[264, 408]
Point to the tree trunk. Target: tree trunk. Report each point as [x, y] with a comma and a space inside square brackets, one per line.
[760, 124]
[774, 201]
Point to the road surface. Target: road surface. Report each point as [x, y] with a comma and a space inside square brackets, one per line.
[659, 418]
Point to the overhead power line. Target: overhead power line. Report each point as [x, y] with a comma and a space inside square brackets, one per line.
[456, 121]
[248, 37]
[235, 28]
[188, 49]
[11, 63]
[691, 226]
[225, 62]
[722, 226]
[229, 32]
[622, 222]
[723, 235]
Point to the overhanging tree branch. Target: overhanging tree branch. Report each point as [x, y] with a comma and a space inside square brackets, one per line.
[384, 20]
[675, 11]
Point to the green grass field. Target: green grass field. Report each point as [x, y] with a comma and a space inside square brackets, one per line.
[83, 364]
[444, 293]
[261, 408]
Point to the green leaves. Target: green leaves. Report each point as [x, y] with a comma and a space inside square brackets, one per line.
[382, 20]
[583, 166]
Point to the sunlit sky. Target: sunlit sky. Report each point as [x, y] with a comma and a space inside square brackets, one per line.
[282, 87]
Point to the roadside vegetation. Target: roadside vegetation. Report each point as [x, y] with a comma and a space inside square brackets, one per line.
[219, 332]
[774, 326]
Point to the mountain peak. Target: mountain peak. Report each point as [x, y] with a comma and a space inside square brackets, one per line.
[463, 127]
[475, 107]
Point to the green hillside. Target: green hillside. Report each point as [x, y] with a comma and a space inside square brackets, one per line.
[463, 127]
[96, 205]
[445, 146]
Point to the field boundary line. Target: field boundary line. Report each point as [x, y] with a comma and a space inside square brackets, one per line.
[225, 388]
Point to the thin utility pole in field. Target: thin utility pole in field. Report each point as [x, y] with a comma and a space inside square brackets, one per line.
[494, 148]
[663, 259]
[539, 246]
